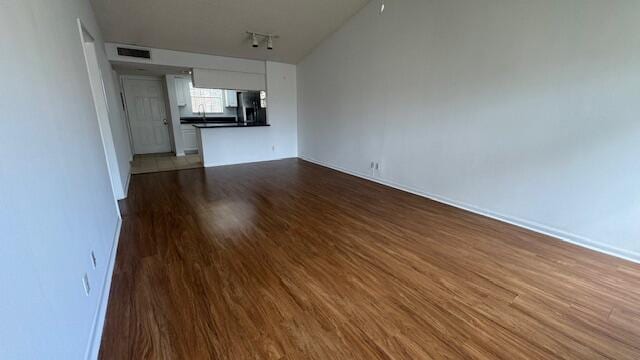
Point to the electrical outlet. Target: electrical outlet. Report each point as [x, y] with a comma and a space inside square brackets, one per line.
[94, 262]
[377, 166]
[85, 283]
[373, 164]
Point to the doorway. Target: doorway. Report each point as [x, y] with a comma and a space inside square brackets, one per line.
[147, 115]
[101, 105]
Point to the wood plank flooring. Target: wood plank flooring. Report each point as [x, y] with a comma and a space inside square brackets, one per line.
[290, 260]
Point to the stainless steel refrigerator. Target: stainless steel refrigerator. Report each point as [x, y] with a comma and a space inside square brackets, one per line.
[249, 108]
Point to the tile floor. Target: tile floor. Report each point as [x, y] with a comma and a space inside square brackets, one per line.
[150, 163]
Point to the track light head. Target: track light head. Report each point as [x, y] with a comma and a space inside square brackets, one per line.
[254, 40]
[270, 42]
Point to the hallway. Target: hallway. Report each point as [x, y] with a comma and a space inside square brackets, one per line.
[150, 163]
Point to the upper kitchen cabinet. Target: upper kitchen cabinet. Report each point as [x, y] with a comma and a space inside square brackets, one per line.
[181, 91]
[231, 98]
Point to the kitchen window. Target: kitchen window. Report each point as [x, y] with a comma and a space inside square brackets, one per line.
[209, 100]
[263, 99]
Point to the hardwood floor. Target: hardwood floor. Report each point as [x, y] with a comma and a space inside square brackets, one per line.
[289, 260]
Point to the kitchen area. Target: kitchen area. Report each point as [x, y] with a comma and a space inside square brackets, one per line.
[186, 110]
[201, 108]
[176, 125]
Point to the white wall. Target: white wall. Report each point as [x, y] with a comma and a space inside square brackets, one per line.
[56, 202]
[231, 146]
[221, 79]
[523, 110]
[183, 59]
[282, 110]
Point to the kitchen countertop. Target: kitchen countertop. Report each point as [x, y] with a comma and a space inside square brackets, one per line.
[227, 125]
[188, 120]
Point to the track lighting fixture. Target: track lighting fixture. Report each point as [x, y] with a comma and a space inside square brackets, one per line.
[381, 6]
[257, 38]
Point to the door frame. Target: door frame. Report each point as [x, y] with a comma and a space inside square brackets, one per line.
[101, 105]
[123, 91]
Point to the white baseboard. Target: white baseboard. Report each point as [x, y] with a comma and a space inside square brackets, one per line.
[529, 225]
[93, 349]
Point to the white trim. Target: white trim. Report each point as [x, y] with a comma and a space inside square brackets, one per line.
[173, 112]
[123, 98]
[101, 106]
[142, 77]
[529, 225]
[126, 185]
[93, 348]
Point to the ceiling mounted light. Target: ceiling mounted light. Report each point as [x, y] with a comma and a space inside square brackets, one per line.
[256, 38]
[270, 42]
[381, 6]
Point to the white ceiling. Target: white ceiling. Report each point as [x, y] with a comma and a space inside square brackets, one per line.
[218, 27]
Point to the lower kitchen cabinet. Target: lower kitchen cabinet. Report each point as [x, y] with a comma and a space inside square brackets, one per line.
[189, 137]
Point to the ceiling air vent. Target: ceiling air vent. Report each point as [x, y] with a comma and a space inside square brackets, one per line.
[136, 53]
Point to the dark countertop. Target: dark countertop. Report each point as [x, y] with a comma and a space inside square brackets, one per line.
[228, 125]
[208, 120]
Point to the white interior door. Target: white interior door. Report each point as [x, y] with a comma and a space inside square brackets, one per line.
[147, 115]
